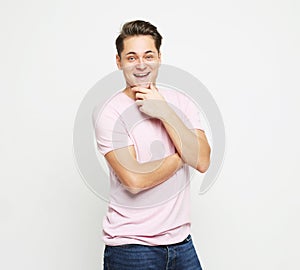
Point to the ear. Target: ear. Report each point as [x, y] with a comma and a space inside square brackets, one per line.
[159, 58]
[118, 61]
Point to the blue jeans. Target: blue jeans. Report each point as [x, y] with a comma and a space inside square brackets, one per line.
[181, 256]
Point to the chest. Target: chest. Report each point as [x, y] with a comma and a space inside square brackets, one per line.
[150, 139]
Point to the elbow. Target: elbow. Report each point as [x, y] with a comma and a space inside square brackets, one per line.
[204, 161]
[203, 166]
[133, 190]
[132, 186]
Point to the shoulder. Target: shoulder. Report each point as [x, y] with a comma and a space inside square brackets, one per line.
[176, 97]
[111, 108]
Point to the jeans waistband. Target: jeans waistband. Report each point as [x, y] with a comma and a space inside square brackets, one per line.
[186, 240]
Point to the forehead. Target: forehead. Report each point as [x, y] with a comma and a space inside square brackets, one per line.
[139, 44]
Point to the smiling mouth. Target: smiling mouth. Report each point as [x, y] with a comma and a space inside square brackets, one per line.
[141, 75]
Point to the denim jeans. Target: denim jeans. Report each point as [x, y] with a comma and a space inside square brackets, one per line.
[181, 256]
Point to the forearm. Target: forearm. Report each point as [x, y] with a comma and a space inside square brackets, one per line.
[149, 174]
[136, 176]
[194, 150]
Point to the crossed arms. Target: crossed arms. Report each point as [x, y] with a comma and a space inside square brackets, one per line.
[191, 145]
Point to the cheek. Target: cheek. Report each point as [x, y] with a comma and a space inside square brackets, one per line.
[127, 67]
[154, 66]
[128, 74]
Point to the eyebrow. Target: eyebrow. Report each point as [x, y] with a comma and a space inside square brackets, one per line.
[136, 53]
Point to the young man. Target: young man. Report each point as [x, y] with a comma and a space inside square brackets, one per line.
[149, 136]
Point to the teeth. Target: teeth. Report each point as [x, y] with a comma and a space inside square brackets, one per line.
[141, 75]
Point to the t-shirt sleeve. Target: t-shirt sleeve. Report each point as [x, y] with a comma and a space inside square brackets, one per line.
[110, 131]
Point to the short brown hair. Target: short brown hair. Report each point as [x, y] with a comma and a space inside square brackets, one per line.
[135, 28]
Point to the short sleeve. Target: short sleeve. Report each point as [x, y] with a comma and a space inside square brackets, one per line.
[110, 131]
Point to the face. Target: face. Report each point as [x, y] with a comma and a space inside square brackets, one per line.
[139, 61]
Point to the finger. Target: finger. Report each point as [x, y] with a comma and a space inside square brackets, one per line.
[153, 87]
[139, 102]
[140, 96]
[141, 89]
[141, 108]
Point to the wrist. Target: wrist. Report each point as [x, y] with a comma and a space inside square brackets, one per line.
[179, 160]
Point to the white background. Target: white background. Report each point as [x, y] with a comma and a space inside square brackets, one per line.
[245, 52]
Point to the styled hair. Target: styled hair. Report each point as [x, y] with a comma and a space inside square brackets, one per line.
[136, 28]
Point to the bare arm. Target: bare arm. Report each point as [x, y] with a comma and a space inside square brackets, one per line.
[137, 176]
[192, 146]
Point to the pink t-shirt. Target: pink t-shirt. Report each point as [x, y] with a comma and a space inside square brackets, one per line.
[159, 215]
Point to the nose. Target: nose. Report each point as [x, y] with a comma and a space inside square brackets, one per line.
[141, 64]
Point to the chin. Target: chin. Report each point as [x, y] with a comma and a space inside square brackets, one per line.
[145, 84]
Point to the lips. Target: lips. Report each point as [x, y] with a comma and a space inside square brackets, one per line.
[141, 75]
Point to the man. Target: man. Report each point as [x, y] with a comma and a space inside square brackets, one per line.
[149, 136]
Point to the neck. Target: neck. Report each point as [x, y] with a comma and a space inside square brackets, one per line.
[129, 92]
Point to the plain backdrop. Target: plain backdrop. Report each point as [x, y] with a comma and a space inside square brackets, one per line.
[245, 52]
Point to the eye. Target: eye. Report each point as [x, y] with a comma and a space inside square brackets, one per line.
[131, 58]
[149, 57]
